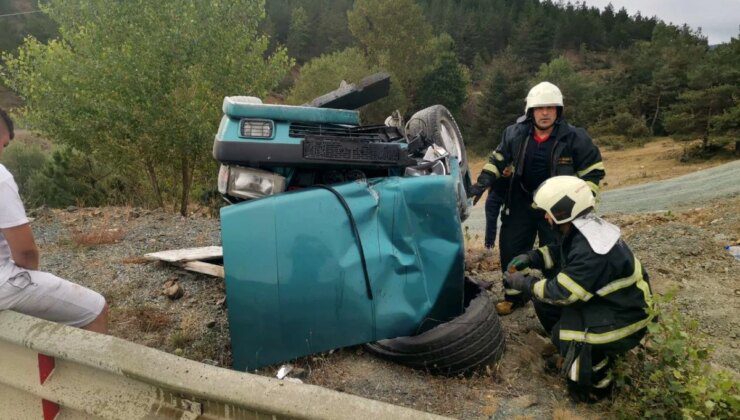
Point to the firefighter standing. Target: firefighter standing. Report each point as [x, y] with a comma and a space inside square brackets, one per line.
[541, 145]
[597, 305]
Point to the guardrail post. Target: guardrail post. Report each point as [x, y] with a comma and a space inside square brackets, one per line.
[46, 367]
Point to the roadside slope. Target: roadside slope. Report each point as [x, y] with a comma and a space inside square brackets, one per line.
[677, 193]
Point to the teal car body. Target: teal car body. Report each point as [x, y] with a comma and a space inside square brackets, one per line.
[294, 278]
[324, 258]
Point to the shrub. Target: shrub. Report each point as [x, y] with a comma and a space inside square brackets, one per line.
[672, 378]
[154, 102]
[23, 160]
[621, 129]
[73, 178]
[325, 73]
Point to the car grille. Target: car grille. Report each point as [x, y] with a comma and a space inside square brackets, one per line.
[350, 150]
[361, 134]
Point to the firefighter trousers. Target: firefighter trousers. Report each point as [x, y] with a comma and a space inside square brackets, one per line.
[587, 367]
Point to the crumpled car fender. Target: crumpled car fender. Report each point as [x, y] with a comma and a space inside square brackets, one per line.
[294, 279]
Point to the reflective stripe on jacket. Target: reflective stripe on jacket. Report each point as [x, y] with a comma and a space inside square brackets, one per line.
[604, 297]
[574, 153]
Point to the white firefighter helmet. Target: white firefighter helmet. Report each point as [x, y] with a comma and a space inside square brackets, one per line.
[564, 198]
[544, 94]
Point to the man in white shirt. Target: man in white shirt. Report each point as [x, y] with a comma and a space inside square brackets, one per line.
[23, 288]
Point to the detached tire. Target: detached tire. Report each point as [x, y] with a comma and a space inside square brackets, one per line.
[437, 125]
[470, 341]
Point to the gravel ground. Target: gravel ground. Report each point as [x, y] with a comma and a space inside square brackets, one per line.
[103, 249]
[685, 252]
[682, 192]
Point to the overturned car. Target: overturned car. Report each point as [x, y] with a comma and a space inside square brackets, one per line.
[341, 234]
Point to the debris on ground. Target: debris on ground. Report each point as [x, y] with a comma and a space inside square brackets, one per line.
[201, 260]
[284, 371]
[172, 289]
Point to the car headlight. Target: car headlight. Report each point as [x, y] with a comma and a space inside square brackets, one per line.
[248, 183]
[261, 129]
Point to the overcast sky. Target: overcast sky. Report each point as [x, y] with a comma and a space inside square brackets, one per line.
[718, 19]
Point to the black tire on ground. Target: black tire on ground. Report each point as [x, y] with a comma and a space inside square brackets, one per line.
[462, 345]
[437, 125]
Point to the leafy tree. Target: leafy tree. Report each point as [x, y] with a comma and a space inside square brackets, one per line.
[446, 83]
[725, 61]
[657, 71]
[325, 73]
[726, 125]
[502, 102]
[138, 84]
[689, 118]
[706, 107]
[577, 90]
[477, 73]
[623, 127]
[298, 35]
[533, 39]
[578, 25]
[69, 177]
[396, 37]
[23, 160]
[14, 28]
[332, 30]
[326, 27]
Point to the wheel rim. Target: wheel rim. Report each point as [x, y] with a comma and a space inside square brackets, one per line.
[451, 141]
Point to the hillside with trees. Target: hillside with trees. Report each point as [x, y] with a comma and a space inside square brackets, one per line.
[626, 77]
[129, 95]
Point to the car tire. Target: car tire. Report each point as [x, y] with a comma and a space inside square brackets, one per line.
[437, 125]
[460, 346]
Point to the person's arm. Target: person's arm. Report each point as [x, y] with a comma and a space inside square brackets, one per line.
[587, 161]
[497, 166]
[543, 258]
[22, 246]
[573, 284]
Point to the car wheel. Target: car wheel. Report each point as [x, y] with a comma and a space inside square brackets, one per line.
[436, 124]
[462, 345]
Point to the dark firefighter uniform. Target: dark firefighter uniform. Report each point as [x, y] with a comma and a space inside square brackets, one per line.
[568, 151]
[595, 307]
[494, 202]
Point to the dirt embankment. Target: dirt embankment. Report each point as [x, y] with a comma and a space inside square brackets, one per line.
[102, 248]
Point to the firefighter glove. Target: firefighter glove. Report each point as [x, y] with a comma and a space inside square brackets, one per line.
[476, 190]
[521, 282]
[519, 263]
[484, 181]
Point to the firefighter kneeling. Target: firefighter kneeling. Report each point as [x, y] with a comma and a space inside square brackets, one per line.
[596, 307]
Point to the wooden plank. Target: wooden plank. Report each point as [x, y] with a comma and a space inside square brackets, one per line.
[187, 254]
[204, 268]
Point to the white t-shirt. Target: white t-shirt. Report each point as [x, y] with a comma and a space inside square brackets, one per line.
[12, 214]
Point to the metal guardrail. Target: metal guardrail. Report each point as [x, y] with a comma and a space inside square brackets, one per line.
[86, 375]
